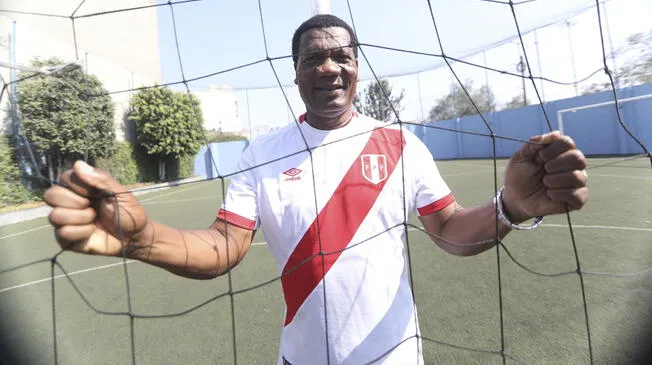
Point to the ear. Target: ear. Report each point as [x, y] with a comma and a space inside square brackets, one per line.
[296, 81]
[357, 67]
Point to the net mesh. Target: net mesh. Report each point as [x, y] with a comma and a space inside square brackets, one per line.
[498, 350]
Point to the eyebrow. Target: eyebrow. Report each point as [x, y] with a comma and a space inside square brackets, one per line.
[311, 51]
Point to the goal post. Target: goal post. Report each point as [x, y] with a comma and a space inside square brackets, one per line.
[560, 113]
[320, 7]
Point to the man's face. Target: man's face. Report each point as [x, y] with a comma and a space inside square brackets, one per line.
[326, 72]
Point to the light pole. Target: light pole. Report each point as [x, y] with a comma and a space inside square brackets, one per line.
[13, 88]
[572, 53]
[422, 115]
[321, 7]
[536, 45]
[251, 131]
[612, 52]
[520, 67]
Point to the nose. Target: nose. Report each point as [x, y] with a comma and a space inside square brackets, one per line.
[329, 67]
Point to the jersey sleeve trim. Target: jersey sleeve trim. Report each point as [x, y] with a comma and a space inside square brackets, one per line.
[236, 220]
[437, 205]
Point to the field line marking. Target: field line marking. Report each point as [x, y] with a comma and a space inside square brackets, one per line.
[641, 229]
[140, 200]
[64, 275]
[180, 200]
[453, 174]
[621, 176]
[174, 191]
[467, 164]
[151, 203]
[23, 232]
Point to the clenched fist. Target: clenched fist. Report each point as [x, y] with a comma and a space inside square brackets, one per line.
[92, 213]
[545, 176]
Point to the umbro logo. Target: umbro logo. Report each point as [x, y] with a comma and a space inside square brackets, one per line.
[292, 174]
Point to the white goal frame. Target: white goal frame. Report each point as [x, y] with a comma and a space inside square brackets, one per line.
[560, 113]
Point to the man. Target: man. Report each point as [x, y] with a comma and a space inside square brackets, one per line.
[333, 194]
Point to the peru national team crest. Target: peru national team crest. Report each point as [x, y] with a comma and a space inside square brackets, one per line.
[374, 168]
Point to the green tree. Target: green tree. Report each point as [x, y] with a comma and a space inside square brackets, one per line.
[122, 165]
[637, 66]
[65, 117]
[376, 104]
[169, 125]
[516, 102]
[456, 103]
[216, 137]
[635, 60]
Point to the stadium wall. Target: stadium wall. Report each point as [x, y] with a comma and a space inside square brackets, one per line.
[219, 159]
[595, 130]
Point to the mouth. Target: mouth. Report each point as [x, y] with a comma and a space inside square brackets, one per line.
[330, 88]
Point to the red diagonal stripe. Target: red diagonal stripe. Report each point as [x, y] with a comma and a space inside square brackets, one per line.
[337, 222]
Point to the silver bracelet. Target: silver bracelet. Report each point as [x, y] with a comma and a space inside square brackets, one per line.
[498, 201]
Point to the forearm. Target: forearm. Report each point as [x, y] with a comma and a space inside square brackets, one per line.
[199, 254]
[472, 231]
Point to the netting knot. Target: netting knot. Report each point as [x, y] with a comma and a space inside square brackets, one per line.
[106, 194]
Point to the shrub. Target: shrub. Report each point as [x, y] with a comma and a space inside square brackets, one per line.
[217, 137]
[186, 166]
[179, 168]
[122, 165]
[12, 190]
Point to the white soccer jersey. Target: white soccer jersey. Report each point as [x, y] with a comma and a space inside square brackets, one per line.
[332, 204]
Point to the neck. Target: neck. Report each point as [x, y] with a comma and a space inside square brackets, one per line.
[325, 123]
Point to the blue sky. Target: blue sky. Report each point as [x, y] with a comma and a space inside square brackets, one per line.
[218, 35]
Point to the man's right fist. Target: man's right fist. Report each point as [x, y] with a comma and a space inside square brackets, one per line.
[92, 213]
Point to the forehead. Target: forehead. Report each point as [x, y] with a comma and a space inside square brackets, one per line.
[318, 39]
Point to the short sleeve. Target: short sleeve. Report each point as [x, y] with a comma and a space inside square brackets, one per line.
[432, 194]
[240, 206]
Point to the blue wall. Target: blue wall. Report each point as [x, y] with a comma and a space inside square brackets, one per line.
[596, 131]
[219, 159]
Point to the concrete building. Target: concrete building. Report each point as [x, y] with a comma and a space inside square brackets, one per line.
[220, 110]
[121, 48]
